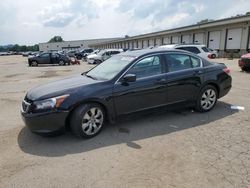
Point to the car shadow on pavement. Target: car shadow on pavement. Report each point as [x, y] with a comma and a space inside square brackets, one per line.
[126, 130]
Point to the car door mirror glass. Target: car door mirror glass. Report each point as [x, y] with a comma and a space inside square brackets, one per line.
[129, 78]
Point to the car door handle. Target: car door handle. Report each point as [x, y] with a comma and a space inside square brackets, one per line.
[198, 72]
[161, 81]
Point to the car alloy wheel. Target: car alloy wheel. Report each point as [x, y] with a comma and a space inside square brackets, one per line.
[34, 63]
[92, 121]
[208, 99]
[61, 62]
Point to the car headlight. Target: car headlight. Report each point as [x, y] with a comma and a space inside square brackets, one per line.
[49, 104]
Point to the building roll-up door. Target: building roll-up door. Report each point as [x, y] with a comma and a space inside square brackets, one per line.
[175, 39]
[199, 38]
[158, 41]
[233, 38]
[135, 44]
[151, 42]
[214, 40]
[186, 39]
[166, 40]
[139, 44]
[130, 45]
[145, 43]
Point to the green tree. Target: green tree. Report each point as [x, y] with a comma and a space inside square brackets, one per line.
[56, 39]
[204, 21]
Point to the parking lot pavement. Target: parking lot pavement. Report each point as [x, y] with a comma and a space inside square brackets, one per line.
[180, 148]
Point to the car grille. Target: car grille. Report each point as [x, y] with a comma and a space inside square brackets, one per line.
[25, 106]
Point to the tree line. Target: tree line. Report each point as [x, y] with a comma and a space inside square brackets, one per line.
[19, 48]
[24, 48]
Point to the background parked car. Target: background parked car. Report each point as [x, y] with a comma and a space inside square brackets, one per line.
[199, 49]
[26, 54]
[82, 54]
[49, 58]
[244, 62]
[71, 53]
[214, 53]
[102, 56]
[131, 81]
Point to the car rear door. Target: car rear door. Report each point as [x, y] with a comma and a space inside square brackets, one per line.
[148, 91]
[184, 77]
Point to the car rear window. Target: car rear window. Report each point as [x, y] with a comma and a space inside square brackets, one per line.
[194, 50]
[205, 49]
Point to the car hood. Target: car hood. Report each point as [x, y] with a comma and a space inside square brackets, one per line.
[60, 87]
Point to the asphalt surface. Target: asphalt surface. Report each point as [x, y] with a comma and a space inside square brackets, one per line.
[180, 148]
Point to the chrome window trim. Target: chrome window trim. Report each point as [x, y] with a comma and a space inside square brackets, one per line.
[160, 53]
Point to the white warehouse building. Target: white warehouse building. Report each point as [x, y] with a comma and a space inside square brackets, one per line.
[70, 45]
[227, 36]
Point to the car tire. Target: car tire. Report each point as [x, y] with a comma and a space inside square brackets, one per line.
[34, 63]
[244, 69]
[98, 62]
[87, 120]
[61, 62]
[213, 56]
[206, 99]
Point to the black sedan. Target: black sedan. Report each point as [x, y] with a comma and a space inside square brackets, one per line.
[49, 58]
[126, 83]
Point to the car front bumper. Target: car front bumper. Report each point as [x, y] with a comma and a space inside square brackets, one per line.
[45, 123]
[91, 61]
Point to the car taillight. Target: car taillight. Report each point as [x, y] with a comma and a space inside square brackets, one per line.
[210, 56]
[227, 70]
[241, 63]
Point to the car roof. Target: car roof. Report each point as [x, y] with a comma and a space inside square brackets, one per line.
[138, 53]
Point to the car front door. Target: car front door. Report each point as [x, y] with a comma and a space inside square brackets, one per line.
[149, 89]
[184, 77]
[44, 58]
[54, 58]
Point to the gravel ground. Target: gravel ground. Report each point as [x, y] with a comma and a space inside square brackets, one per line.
[181, 148]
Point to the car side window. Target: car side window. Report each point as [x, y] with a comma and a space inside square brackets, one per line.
[114, 52]
[54, 55]
[146, 67]
[196, 62]
[177, 62]
[44, 55]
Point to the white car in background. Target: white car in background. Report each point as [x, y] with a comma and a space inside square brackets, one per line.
[102, 56]
[214, 52]
[199, 49]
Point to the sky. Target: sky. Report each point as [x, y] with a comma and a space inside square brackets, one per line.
[33, 21]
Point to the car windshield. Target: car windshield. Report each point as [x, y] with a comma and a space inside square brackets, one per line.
[101, 52]
[110, 68]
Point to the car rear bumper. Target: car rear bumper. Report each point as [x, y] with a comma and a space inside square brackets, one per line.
[225, 86]
[244, 63]
[45, 123]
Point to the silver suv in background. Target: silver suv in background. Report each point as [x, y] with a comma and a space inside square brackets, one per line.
[102, 56]
[199, 49]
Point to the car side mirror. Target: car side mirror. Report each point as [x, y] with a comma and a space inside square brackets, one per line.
[129, 78]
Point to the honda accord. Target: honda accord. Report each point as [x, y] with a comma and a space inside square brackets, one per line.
[126, 83]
